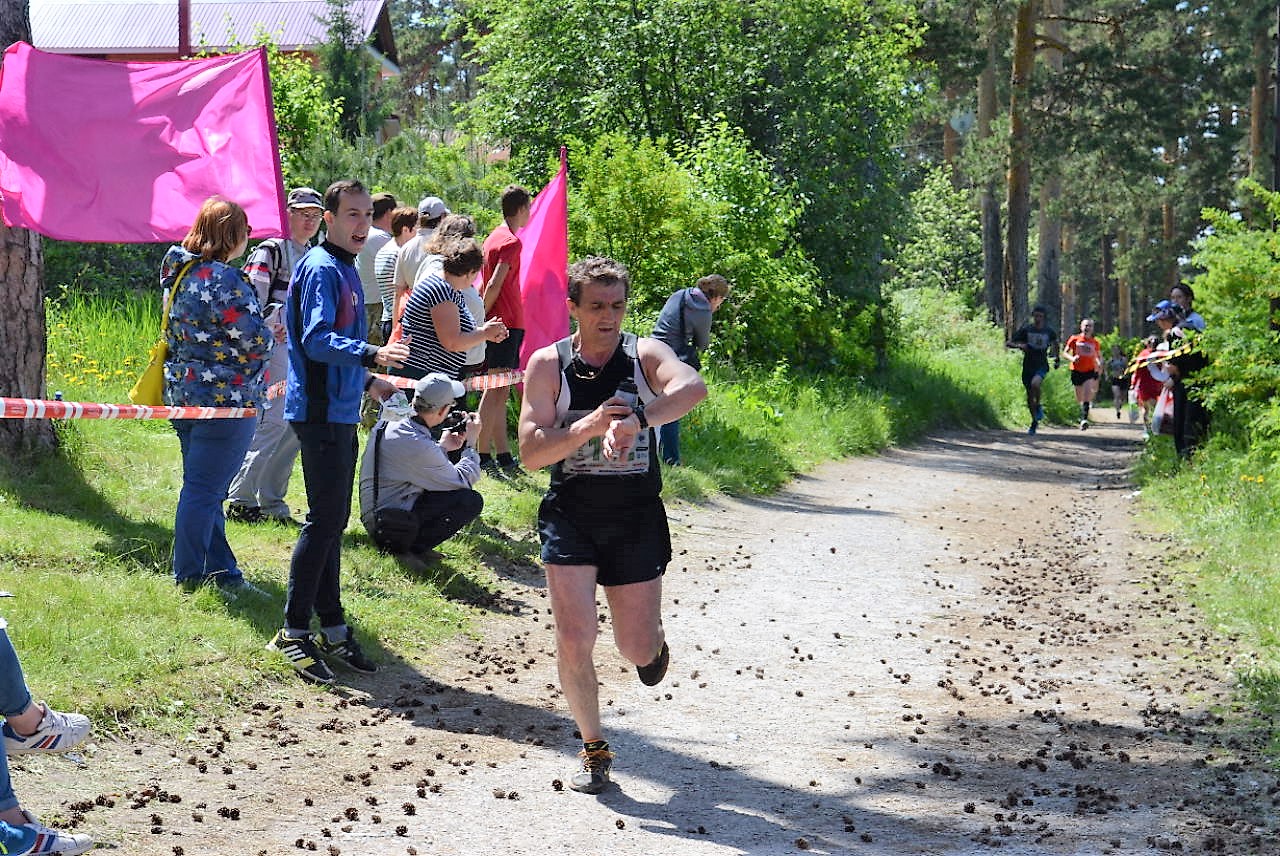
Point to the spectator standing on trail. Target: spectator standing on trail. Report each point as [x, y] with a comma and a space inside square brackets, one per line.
[1084, 353]
[414, 472]
[1190, 418]
[329, 363]
[409, 258]
[404, 222]
[31, 726]
[590, 401]
[684, 324]
[502, 302]
[1116, 367]
[1036, 340]
[219, 344]
[258, 491]
[384, 205]
[1183, 297]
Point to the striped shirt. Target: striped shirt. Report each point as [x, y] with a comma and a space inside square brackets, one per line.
[426, 354]
[384, 268]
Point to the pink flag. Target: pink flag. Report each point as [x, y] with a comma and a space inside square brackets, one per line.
[544, 264]
[92, 150]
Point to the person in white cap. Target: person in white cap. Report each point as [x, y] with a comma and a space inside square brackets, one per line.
[409, 258]
[406, 469]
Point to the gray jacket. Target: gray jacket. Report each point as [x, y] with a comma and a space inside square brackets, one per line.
[685, 324]
[411, 462]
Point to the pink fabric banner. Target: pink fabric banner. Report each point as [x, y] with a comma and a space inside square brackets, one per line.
[92, 150]
[544, 264]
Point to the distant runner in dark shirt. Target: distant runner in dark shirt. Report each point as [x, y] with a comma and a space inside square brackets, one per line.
[1035, 340]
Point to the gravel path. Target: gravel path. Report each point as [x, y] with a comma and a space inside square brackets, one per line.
[956, 648]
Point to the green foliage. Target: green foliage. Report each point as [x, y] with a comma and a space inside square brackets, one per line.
[713, 207]
[1240, 272]
[821, 90]
[305, 113]
[410, 167]
[350, 73]
[943, 245]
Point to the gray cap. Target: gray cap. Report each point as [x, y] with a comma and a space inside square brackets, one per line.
[432, 208]
[436, 390]
[305, 197]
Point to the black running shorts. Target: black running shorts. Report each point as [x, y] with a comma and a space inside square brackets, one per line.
[628, 544]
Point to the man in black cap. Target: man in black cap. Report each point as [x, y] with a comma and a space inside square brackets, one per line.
[1035, 340]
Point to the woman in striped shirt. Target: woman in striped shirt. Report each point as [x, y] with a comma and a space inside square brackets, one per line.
[438, 326]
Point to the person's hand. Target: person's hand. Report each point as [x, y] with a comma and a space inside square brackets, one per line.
[393, 356]
[494, 330]
[623, 429]
[473, 428]
[598, 421]
[380, 390]
[451, 441]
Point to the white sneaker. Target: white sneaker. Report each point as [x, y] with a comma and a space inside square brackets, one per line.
[57, 732]
[53, 841]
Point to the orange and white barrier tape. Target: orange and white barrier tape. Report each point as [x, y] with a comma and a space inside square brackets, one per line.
[475, 382]
[39, 408]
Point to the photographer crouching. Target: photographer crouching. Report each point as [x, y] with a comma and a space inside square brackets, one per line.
[412, 497]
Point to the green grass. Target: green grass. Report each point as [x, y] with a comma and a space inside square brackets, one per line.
[85, 533]
[1224, 511]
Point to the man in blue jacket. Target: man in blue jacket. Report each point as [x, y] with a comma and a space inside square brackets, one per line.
[329, 363]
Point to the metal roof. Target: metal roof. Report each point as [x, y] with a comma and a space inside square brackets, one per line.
[104, 27]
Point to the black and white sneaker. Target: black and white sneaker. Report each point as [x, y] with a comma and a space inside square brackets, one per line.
[347, 651]
[593, 776]
[303, 656]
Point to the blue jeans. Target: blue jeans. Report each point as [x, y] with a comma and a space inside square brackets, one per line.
[329, 469]
[669, 438]
[212, 450]
[14, 699]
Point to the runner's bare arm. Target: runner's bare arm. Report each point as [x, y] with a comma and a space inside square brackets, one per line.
[678, 384]
[541, 442]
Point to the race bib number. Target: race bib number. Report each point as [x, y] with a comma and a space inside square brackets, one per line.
[589, 459]
[1086, 349]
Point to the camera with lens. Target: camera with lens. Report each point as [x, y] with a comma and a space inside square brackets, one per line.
[455, 421]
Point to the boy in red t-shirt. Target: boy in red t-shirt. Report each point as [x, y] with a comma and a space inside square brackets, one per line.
[502, 300]
[1084, 353]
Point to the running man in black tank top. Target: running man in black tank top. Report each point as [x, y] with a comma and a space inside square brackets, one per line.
[602, 520]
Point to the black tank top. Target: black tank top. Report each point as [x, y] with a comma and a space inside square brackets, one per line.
[585, 476]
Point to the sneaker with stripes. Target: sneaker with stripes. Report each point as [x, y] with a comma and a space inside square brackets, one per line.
[57, 732]
[34, 837]
[303, 656]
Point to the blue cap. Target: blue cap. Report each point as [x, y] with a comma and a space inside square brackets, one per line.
[1164, 309]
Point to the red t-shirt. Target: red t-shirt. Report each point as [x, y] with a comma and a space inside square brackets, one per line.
[1087, 352]
[503, 247]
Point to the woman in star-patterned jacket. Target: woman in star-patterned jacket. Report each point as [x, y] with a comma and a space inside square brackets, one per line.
[218, 349]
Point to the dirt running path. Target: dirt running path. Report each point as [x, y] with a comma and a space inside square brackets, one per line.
[947, 649]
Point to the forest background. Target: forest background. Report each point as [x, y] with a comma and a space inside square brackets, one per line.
[889, 185]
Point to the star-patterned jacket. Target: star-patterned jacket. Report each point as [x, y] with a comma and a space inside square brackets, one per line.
[218, 340]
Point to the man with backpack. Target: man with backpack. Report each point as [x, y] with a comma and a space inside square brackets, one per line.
[257, 493]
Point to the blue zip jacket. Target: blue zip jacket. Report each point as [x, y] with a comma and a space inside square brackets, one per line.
[327, 327]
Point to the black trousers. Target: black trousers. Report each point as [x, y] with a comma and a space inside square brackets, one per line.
[441, 514]
[328, 468]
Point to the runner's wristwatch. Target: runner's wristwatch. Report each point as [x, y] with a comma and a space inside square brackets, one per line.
[638, 410]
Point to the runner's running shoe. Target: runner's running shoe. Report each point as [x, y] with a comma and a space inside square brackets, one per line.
[652, 674]
[57, 732]
[594, 774]
[303, 656]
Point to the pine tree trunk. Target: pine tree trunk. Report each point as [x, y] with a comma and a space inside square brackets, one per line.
[1258, 114]
[1068, 290]
[1019, 180]
[22, 333]
[1106, 318]
[1049, 254]
[992, 241]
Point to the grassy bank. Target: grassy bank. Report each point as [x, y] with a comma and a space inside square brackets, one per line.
[1224, 512]
[85, 534]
